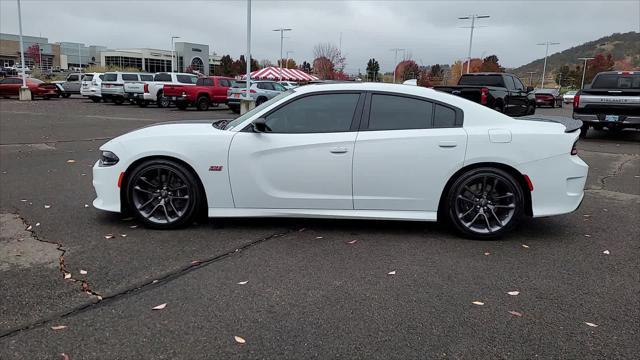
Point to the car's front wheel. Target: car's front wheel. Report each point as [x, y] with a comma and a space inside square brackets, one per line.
[162, 101]
[485, 203]
[163, 194]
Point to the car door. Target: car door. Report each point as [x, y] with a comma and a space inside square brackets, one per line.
[521, 100]
[304, 161]
[72, 84]
[406, 151]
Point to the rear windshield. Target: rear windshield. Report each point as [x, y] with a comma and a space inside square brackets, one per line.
[486, 80]
[130, 77]
[240, 84]
[87, 77]
[616, 81]
[110, 77]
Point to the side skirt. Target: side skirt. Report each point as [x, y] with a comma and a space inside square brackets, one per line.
[326, 214]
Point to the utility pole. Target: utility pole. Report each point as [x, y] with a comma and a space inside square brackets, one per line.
[584, 69]
[173, 53]
[40, 51]
[531, 76]
[79, 58]
[25, 94]
[248, 54]
[546, 54]
[473, 25]
[281, 30]
[395, 62]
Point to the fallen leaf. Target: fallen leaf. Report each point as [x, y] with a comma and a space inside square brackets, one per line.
[83, 174]
[160, 307]
[587, 235]
[515, 313]
[606, 252]
[605, 210]
[133, 226]
[196, 262]
[71, 161]
[154, 281]
[47, 206]
[480, 303]
[58, 327]
[242, 282]
[123, 235]
[65, 356]
[586, 215]
[318, 237]
[239, 340]
[108, 236]
[513, 293]
[301, 230]
[591, 324]
[391, 272]
[352, 242]
[24, 200]
[86, 205]
[487, 254]
[37, 224]
[83, 272]
[67, 275]
[85, 287]
[525, 246]
[29, 227]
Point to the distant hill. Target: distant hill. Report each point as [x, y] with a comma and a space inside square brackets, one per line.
[623, 47]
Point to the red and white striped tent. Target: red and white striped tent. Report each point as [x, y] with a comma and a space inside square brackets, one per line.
[273, 73]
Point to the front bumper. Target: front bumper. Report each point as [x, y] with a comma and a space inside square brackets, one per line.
[623, 120]
[105, 180]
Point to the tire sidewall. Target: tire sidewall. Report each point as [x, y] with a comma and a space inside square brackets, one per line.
[202, 103]
[452, 217]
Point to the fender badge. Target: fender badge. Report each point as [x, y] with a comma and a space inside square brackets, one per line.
[215, 168]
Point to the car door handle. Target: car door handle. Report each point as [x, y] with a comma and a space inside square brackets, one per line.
[447, 144]
[339, 150]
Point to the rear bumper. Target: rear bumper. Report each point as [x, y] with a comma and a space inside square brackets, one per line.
[624, 120]
[92, 91]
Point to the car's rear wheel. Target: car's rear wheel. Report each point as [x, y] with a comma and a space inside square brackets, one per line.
[66, 95]
[485, 203]
[163, 194]
[118, 101]
[95, 99]
[203, 103]
[162, 101]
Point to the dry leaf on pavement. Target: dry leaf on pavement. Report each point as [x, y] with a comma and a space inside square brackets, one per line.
[108, 236]
[133, 226]
[487, 254]
[480, 303]
[606, 252]
[318, 237]
[83, 272]
[29, 227]
[243, 282]
[58, 327]
[525, 246]
[71, 161]
[67, 275]
[47, 206]
[352, 242]
[513, 293]
[65, 356]
[591, 324]
[37, 224]
[196, 262]
[587, 235]
[239, 340]
[159, 307]
[391, 272]
[515, 313]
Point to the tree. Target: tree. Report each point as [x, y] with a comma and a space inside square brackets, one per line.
[306, 67]
[288, 64]
[562, 77]
[456, 72]
[490, 64]
[407, 69]
[323, 67]
[474, 67]
[373, 67]
[226, 66]
[265, 63]
[331, 53]
[33, 53]
[599, 63]
[239, 66]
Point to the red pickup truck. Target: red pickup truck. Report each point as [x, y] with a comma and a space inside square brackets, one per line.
[208, 91]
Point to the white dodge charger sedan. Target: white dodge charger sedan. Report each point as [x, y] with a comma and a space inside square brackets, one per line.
[352, 150]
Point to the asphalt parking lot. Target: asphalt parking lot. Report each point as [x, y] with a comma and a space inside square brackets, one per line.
[299, 288]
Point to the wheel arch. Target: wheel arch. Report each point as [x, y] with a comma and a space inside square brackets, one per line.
[522, 182]
[124, 205]
[201, 94]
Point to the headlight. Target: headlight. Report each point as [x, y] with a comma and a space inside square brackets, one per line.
[108, 158]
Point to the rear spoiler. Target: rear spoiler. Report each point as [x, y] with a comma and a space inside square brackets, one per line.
[570, 124]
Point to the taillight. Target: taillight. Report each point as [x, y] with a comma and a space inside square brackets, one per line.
[146, 88]
[483, 95]
[576, 101]
[574, 149]
[251, 91]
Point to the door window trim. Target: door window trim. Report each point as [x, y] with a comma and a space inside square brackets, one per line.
[366, 114]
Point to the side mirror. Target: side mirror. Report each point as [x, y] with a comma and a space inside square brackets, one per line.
[530, 89]
[260, 125]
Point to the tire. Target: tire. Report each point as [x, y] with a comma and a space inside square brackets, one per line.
[202, 104]
[66, 95]
[95, 99]
[182, 105]
[488, 194]
[143, 103]
[47, 97]
[583, 130]
[162, 101]
[260, 100]
[118, 101]
[163, 194]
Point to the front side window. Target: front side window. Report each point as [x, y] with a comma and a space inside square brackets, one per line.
[391, 112]
[278, 87]
[72, 78]
[509, 82]
[323, 113]
[87, 77]
[130, 77]
[146, 77]
[519, 85]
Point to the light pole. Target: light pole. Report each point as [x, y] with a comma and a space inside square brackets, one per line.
[25, 94]
[79, 59]
[473, 25]
[40, 50]
[248, 54]
[288, 52]
[546, 54]
[395, 61]
[281, 30]
[173, 53]
[531, 76]
[584, 69]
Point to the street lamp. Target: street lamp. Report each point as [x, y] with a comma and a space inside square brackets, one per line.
[281, 30]
[546, 54]
[395, 61]
[173, 53]
[584, 69]
[248, 57]
[25, 94]
[531, 76]
[473, 25]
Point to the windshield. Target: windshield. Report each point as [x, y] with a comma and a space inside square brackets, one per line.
[616, 81]
[258, 108]
[240, 83]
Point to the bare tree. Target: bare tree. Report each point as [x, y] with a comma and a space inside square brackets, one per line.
[332, 53]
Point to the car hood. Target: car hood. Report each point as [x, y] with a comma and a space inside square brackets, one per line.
[169, 129]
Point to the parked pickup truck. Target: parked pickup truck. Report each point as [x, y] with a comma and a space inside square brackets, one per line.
[133, 88]
[153, 91]
[207, 91]
[503, 92]
[612, 101]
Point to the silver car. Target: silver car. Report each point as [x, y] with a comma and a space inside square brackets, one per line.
[259, 91]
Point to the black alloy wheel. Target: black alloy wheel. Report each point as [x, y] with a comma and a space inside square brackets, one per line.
[163, 194]
[162, 101]
[203, 103]
[485, 203]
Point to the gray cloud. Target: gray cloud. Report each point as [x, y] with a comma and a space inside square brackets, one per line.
[428, 29]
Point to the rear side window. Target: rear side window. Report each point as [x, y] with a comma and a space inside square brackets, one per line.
[162, 77]
[315, 114]
[205, 82]
[87, 78]
[616, 81]
[130, 77]
[265, 86]
[444, 117]
[390, 112]
[110, 77]
[186, 79]
[146, 77]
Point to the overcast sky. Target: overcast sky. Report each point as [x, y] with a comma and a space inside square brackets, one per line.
[429, 30]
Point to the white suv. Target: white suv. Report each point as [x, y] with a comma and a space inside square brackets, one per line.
[90, 86]
[153, 89]
[113, 85]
